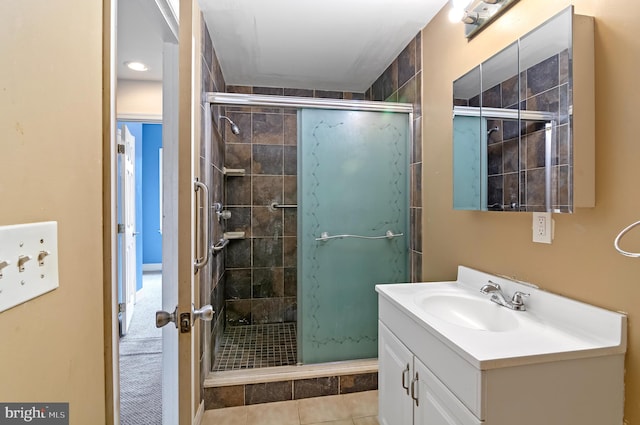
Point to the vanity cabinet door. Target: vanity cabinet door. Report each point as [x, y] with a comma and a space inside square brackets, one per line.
[436, 404]
[394, 379]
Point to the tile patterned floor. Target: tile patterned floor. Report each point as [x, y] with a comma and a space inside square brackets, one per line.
[348, 409]
[246, 347]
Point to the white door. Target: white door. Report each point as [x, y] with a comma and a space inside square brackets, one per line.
[127, 225]
[181, 398]
[170, 232]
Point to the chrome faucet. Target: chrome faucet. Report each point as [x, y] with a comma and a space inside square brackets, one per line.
[516, 303]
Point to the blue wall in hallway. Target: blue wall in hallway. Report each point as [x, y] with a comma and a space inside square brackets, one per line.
[151, 237]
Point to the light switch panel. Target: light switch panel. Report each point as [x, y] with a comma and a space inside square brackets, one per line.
[28, 262]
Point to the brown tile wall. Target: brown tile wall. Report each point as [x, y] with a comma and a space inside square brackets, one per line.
[261, 270]
[402, 82]
[211, 278]
[242, 395]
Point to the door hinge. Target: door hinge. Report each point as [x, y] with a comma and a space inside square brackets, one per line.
[120, 148]
[122, 307]
[120, 228]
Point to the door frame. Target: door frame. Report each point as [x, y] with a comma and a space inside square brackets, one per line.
[109, 212]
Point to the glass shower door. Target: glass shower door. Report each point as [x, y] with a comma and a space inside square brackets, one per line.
[352, 180]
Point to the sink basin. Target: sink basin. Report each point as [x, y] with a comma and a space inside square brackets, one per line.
[469, 312]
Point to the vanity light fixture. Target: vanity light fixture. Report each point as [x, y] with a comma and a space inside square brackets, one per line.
[476, 14]
[136, 66]
[471, 18]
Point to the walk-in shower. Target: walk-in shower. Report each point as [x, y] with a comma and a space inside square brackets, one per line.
[324, 205]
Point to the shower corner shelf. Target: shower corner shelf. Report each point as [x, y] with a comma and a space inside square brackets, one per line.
[233, 172]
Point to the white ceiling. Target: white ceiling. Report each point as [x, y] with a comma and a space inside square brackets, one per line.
[341, 45]
[141, 30]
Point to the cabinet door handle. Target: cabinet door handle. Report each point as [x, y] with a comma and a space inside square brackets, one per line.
[405, 378]
[414, 389]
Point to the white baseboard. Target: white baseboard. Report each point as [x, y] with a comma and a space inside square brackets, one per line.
[140, 294]
[152, 267]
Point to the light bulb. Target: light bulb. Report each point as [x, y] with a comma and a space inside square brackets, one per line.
[460, 4]
[456, 15]
[137, 66]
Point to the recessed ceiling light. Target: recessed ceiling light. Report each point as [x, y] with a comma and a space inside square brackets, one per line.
[136, 66]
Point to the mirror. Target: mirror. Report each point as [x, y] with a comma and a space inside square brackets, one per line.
[512, 147]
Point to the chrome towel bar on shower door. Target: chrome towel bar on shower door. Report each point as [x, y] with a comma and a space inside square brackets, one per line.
[324, 236]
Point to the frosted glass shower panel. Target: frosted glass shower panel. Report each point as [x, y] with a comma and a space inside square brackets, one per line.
[353, 180]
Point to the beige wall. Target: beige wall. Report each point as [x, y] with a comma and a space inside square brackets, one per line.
[581, 263]
[139, 99]
[51, 348]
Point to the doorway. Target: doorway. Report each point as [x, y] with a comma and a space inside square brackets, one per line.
[140, 341]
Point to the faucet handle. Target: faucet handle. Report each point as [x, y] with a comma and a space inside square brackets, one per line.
[490, 287]
[517, 298]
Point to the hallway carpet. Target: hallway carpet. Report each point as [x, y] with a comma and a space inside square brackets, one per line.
[141, 360]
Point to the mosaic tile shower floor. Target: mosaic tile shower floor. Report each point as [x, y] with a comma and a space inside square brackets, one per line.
[253, 346]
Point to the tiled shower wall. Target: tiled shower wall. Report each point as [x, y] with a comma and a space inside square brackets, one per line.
[261, 276]
[211, 281]
[516, 152]
[402, 82]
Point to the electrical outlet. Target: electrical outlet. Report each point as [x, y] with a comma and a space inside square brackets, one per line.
[542, 227]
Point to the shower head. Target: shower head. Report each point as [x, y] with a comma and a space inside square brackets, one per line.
[234, 127]
[491, 130]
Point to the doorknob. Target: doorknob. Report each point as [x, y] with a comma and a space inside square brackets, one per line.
[205, 313]
[187, 320]
[164, 318]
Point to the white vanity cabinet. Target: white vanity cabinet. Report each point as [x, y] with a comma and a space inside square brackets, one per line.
[560, 362]
[409, 393]
[394, 379]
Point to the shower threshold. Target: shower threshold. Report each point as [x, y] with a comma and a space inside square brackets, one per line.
[264, 385]
[256, 364]
[290, 373]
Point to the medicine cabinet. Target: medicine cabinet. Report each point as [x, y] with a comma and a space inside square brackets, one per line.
[523, 123]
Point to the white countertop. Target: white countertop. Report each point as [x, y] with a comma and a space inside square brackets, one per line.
[552, 328]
